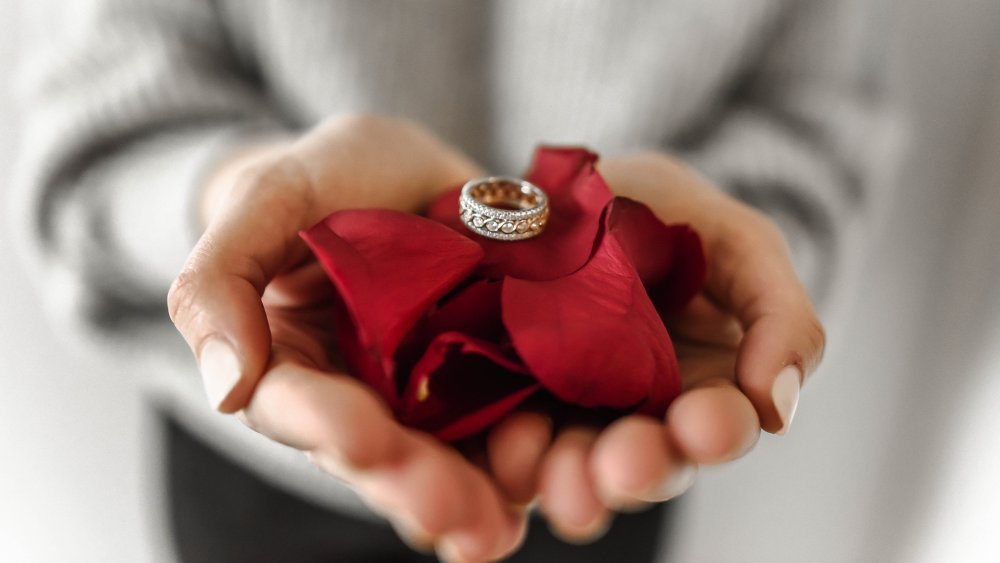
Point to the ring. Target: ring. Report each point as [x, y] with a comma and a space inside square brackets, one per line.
[503, 208]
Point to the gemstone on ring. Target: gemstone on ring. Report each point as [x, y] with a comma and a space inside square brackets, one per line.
[503, 208]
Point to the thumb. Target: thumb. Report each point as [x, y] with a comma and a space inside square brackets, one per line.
[751, 274]
[215, 302]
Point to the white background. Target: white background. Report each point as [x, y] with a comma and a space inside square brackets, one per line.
[893, 455]
[71, 431]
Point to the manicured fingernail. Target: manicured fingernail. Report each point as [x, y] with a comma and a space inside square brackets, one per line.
[785, 394]
[220, 370]
[680, 480]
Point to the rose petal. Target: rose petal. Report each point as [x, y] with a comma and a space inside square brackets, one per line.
[475, 422]
[687, 276]
[555, 168]
[577, 197]
[462, 385]
[475, 311]
[388, 268]
[594, 338]
[668, 258]
[472, 309]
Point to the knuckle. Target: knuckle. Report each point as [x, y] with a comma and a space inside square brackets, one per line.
[764, 229]
[278, 174]
[279, 191]
[182, 296]
[815, 337]
[749, 227]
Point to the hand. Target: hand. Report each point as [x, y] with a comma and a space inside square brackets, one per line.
[745, 346]
[255, 309]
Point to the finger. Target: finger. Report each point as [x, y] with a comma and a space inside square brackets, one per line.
[335, 417]
[491, 529]
[416, 539]
[439, 498]
[751, 274]
[515, 448]
[712, 423]
[568, 496]
[434, 491]
[216, 301]
[633, 463]
[424, 487]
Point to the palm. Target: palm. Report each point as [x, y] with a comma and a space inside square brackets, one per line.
[298, 395]
[299, 306]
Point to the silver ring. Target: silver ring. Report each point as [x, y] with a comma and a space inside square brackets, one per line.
[503, 208]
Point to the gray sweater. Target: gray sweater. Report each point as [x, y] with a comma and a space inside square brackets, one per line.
[775, 100]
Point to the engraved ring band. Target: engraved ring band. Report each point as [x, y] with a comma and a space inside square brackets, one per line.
[503, 208]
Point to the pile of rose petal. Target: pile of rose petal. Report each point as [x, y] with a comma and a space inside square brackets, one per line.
[455, 330]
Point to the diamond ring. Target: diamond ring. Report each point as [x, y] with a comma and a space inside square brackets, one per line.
[503, 208]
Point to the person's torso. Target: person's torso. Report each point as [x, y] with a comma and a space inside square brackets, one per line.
[497, 78]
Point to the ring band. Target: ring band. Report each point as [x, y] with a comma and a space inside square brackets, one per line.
[523, 208]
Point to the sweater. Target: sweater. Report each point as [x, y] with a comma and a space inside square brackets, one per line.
[777, 101]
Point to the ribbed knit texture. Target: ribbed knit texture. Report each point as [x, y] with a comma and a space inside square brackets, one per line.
[767, 97]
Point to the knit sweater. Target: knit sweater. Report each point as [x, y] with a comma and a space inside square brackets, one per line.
[772, 99]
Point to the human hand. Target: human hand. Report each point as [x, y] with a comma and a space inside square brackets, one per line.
[744, 347]
[255, 308]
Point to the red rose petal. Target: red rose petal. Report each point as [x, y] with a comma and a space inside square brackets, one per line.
[475, 311]
[388, 268]
[668, 258]
[577, 197]
[554, 168]
[463, 385]
[594, 338]
[474, 423]
[686, 278]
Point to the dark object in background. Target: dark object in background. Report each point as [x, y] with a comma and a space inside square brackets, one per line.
[220, 512]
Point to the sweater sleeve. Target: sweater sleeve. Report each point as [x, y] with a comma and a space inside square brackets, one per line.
[803, 136]
[123, 115]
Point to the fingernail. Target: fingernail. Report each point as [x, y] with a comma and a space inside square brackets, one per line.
[785, 394]
[589, 533]
[448, 552]
[598, 528]
[220, 370]
[679, 481]
[414, 536]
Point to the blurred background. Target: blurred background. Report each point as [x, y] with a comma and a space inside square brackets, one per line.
[896, 448]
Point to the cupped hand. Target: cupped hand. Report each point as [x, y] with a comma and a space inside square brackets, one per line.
[745, 346]
[255, 309]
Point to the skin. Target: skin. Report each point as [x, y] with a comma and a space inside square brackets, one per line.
[250, 282]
